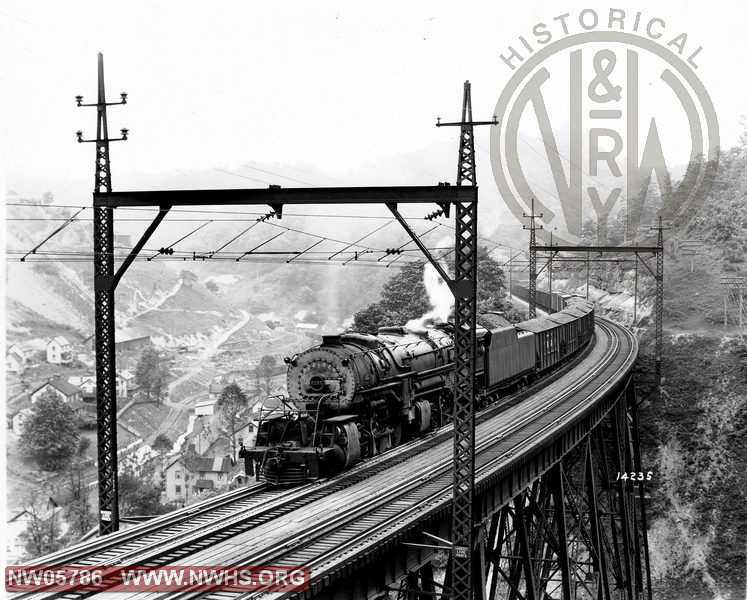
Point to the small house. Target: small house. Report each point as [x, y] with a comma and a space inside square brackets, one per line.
[19, 418]
[307, 328]
[205, 407]
[125, 383]
[59, 351]
[87, 383]
[184, 484]
[15, 361]
[66, 391]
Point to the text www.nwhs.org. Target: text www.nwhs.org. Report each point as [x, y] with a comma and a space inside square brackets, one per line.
[158, 579]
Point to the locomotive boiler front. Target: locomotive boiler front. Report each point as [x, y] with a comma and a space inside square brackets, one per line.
[345, 366]
[355, 396]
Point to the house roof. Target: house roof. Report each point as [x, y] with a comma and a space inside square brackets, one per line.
[60, 340]
[66, 388]
[79, 380]
[137, 339]
[25, 412]
[269, 403]
[51, 509]
[216, 388]
[205, 484]
[219, 464]
[13, 353]
[23, 348]
[125, 374]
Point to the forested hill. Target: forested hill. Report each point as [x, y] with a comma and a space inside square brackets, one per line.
[722, 222]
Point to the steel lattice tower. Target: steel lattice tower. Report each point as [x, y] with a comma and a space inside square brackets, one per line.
[104, 284]
[532, 261]
[464, 288]
[659, 308]
[465, 345]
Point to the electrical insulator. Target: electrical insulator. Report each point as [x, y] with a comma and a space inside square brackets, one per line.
[393, 251]
[168, 251]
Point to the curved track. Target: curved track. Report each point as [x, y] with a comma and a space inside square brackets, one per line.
[166, 539]
[327, 524]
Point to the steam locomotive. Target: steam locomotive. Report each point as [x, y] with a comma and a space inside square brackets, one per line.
[356, 395]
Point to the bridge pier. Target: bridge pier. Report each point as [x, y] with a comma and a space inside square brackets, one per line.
[578, 531]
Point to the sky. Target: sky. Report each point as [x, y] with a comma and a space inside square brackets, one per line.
[326, 93]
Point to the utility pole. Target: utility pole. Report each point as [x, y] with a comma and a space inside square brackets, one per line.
[510, 274]
[465, 342]
[549, 267]
[659, 307]
[635, 293]
[533, 261]
[103, 248]
[724, 315]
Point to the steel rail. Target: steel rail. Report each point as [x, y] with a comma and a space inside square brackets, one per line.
[325, 564]
[83, 550]
[441, 469]
[166, 546]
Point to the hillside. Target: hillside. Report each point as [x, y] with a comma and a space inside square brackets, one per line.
[45, 296]
[693, 436]
[41, 293]
[189, 312]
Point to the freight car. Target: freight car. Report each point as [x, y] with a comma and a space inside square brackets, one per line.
[356, 395]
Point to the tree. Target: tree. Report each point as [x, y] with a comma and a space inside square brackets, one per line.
[232, 407]
[78, 513]
[83, 444]
[265, 369]
[51, 432]
[212, 286]
[162, 443]
[491, 290]
[151, 373]
[139, 495]
[42, 534]
[404, 297]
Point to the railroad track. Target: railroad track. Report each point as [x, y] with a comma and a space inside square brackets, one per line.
[324, 535]
[175, 536]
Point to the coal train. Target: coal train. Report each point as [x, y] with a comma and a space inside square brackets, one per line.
[356, 395]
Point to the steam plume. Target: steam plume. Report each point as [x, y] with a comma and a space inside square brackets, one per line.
[440, 297]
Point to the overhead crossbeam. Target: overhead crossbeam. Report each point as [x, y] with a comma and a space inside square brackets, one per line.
[615, 249]
[657, 251]
[276, 197]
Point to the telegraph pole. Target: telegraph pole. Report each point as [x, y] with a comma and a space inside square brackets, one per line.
[465, 342]
[103, 248]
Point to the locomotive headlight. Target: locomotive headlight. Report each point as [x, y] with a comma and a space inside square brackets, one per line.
[317, 383]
